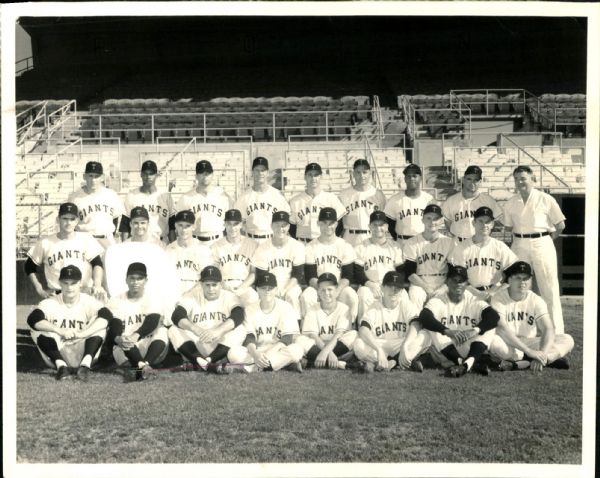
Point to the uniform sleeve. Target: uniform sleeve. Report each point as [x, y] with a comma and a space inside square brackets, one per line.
[399, 256]
[299, 257]
[390, 208]
[499, 306]
[456, 256]
[232, 301]
[554, 213]
[339, 207]
[293, 210]
[540, 307]
[410, 252]
[36, 253]
[380, 199]
[342, 324]
[310, 326]
[493, 205]
[289, 321]
[260, 259]
[119, 206]
[411, 311]
[283, 205]
[348, 255]
[93, 248]
[508, 257]
[310, 254]
[436, 306]
[359, 252]
[370, 318]
[446, 209]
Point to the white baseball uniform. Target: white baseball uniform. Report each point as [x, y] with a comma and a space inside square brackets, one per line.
[459, 211]
[257, 210]
[305, 212]
[325, 326]
[189, 262]
[359, 206]
[209, 210]
[407, 212]
[235, 263]
[159, 206]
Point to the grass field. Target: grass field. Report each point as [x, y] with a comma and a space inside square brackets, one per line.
[318, 416]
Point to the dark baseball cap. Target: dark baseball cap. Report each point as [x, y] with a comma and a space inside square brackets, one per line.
[149, 167]
[315, 167]
[137, 268]
[68, 208]
[361, 162]
[473, 170]
[327, 214]
[327, 277]
[519, 267]
[93, 167]
[139, 211]
[203, 166]
[185, 216]
[412, 169]
[433, 208]
[281, 216]
[210, 274]
[260, 161]
[233, 215]
[377, 216]
[484, 211]
[69, 272]
[457, 271]
[523, 168]
[393, 278]
[265, 279]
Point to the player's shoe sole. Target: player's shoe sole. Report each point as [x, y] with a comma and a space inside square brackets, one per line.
[148, 373]
[83, 374]
[63, 373]
[456, 371]
[416, 366]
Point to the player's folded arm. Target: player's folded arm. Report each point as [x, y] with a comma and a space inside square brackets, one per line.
[237, 315]
[97, 261]
[36, 316]
[149, 325]
[489, 320]
[30, 266]
[359, 274]
[410, 267]
[178, 314]
[116, 327]
[287, 339]
[429, 322]
[250, 339]
[104, 315]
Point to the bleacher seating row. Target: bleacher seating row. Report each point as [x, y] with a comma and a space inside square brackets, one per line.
[344, 158]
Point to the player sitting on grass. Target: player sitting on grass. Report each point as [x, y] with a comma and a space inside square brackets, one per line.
[136, 327]
[522, 314]
[271, 326]
[388, 333]
[69, 328]
[207, 323]
[462, 326]
[327, 337]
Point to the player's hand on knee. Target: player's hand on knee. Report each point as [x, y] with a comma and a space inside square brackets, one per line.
[539, 356]
[536, 366]
[404, 362]
[382, 361]
[332, 360]
[321, 360]
[44, 293]
[99, 293]
[262, 361]
[68, 334]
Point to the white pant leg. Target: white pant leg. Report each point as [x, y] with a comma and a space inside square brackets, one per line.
[143, 345]
[364, 351]
[305, 342]
[501, 350]
[563, 344]
[419, 345]
[349, 297]
[71, 351]
[281, 355]
[348, 338]
[417, 296]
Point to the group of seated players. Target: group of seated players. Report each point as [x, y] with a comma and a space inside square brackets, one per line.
[250, 302]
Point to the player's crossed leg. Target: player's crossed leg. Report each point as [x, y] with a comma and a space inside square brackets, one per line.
[144, 356]
[562, 346]
[398, 351]
[459, 359]
[348, 296]
[278, 354]
[343, 349]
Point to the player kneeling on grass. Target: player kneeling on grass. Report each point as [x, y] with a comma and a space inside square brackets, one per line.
[69, 328]
[271, 327]
[522, 314]
[326, 335]
[462, 326]
[136, 326]
[207, 323]
[388, 333]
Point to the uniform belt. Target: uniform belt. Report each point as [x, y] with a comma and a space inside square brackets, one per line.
[304, 239]
[440, 274]
[532, 235]
[100, 237]
[258, 236]
[484, 287]
[460, 239]
[404, 238]
[229, 280]
[207, 238]
[358, 231]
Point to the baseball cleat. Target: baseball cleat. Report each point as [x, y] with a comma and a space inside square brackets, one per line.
[202, 364]
[481, 368]
[562, 363]
[506, 366]
[366, 367]
[63, 373]
[341, 365]
[390, 365]
[297, 367]
[147, 372]
[456, 371]
[416, 366]
[83, 373]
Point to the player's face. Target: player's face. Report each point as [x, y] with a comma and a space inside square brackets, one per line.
[93, 181]
[67, 222]
[204, 178]
[327, 292]
[233, 229]
[470, 183]
[260, 175]
[362, 175]
[412, 181]
[148, 178]
[70, 289]
[327, 228]
[280, 229]
[313, 180]
[184, 229]
[378, 229]
[139, 227]
[431, 221]
[523, 181]
[391, 294]
[519, 282]
[136, 284]
[483, 225]
[211, 289]
[456, 287]
[266, 293]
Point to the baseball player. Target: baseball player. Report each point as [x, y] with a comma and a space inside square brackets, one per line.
[136, 327]
[233, 255]
[187, 253]
[208, 203]
[326, 337]
[404, 209]
[158, 204]
[462, 326]
[258, 204]
[388, 333]
[284, 257]
[426, 258]
[459, 208]
[484, 257]
[207, 323]
[522, 314]
[66, 247]
[69, 328]
[374, 257]
[536, 221]
[139, 225]
[306, 205]
[100, 208]
[271, 326]
[329, 253]
[360, 200]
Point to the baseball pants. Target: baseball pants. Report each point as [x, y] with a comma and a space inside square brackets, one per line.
[70, 350]
[562, 345]
[348, 296]
[440, 342]
[232, 338]
[307, 343]
[279, 355]
[393, 347]
[417, 294]
[142, 345]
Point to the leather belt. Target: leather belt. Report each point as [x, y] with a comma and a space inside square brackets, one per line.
[532, 236]
[484, 287]
[404, 238]
[258, 236]
[460, 239]
[304, 239]
[358, 231]
[440, 274]
[100, 237]
[207, 238]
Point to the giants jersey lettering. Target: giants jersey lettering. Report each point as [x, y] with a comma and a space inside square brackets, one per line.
[98, 209]
[189, 262]
[208, 314]
[521, 316]
[208, 208]
[538, 214]
[391, 323]
[483, 261]
[70, 316]
[159, 206]
[324, 325]
[407, 212]
[133, 311]
[55, 253]
[359, 206]
[462, 316]
[329, 257]
[431, 257]
[269, 327]
[305, 212]
[378, 259]
[459, 212]
[279, 260]
[234, 260]
[257, 209]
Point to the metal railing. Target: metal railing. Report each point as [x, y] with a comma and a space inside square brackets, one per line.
[23, 65]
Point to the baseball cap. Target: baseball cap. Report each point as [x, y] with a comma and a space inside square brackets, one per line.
[281, 216]
[68, 208]
[93, 167]
[361, 162]
[327, 214]
[377, 216]
[433, 208]
[457, 271]
[185, 216]
[233, 215]
[69, 272]
[483, 211]
[519, 267]
[260, 161]
[327, 277]
[137, 268]
[523, 168]
[203, 166]
[393, 278]
[139, 211]
[266, 279]
[313, 167]
[474, 170]
[210, 273]
[149, 167]
[412, 169]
